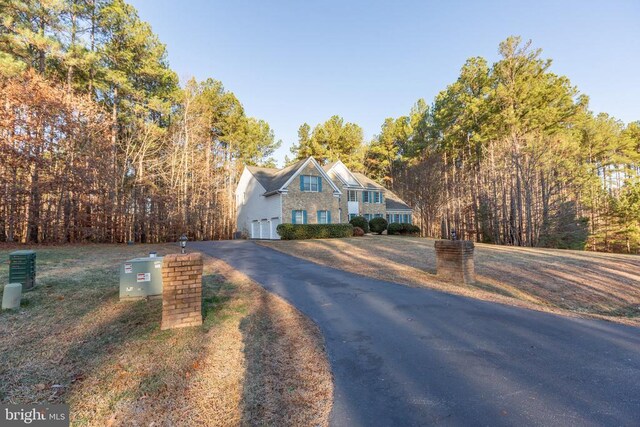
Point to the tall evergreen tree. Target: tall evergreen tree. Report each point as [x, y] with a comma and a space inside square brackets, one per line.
[330, 141]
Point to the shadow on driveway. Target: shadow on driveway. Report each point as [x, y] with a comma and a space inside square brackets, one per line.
[411, 356]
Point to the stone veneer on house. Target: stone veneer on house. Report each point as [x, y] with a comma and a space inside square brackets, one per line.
[364, 208]
[181, 290]
[295, 199]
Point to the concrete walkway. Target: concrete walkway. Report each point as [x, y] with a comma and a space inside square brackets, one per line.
[405, 356]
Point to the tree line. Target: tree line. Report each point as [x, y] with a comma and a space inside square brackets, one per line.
[509, 153]
[98, 141]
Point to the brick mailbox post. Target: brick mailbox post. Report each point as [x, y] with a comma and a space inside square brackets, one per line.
[181, 290]
[454, 261]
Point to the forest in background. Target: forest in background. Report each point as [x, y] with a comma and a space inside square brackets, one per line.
[100, 143]
[509, 154]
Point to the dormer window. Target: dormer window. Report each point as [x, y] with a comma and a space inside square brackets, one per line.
[310, 183]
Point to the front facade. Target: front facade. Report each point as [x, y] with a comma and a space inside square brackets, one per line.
[308, 193]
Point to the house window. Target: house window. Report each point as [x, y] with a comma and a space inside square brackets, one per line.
[324, 217]
[351, 216]
[352, 196]
[377, 216]
[372, 197]
[367, 217]
[310, 183]
[299, 217]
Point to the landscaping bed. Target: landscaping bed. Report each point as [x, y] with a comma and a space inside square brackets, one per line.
[255, 360]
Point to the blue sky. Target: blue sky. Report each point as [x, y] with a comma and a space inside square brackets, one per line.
[291, 62]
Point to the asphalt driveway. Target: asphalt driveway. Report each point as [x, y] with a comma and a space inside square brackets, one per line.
[405, 356]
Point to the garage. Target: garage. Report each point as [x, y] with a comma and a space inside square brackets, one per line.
[264, 229]
[255, 229]
[274, 225]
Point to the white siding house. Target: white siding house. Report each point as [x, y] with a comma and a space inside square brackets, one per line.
[267, 197]
[258, 215]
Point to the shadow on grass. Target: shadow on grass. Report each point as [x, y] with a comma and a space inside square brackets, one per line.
[145, 372]
[261, 395]
[581, 282]
[288, 379]
[75, 342]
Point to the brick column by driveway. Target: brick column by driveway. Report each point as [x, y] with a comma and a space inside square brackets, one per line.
[181, 290]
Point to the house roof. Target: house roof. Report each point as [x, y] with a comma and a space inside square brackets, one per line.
[273, 179]
[395, 203]
[392, 201]
[367, 182]
[328, 166]
[350, 180]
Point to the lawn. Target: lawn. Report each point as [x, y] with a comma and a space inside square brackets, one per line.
[255, 360]
[568, 282]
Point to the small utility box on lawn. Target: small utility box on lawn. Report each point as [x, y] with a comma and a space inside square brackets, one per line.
[141, 277]
[22, 268]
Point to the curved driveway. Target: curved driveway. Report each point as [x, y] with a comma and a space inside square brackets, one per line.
[405, 356]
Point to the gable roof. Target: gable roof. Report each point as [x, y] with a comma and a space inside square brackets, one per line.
[329, 167]
[275, 180]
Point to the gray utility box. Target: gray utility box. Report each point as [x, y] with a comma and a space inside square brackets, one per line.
[141, 277]
[22, 268]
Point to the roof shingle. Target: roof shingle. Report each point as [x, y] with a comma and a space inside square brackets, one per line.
[273, 179]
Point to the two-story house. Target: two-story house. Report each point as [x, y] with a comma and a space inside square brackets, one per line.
[308, 193]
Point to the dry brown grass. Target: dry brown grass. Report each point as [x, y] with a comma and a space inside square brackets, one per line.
[568, 282]
[255, 360]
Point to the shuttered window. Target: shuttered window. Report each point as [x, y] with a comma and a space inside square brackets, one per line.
[298, 217]
[324, 217]
[310, 183]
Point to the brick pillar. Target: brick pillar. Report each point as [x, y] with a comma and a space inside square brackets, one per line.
[181, 290]
[454, 260]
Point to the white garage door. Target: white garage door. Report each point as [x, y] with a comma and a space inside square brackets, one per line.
[255, 230]
[264, 229]
[274, 226]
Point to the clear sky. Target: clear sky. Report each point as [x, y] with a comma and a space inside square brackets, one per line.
[291, 62]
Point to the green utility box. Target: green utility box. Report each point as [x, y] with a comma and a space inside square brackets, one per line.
[22, 268]
[141, 277]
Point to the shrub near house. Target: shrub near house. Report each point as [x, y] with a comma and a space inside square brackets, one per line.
[358, 232]
[361, 222]
[378, 225]
[314, 231]
[402, 228]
